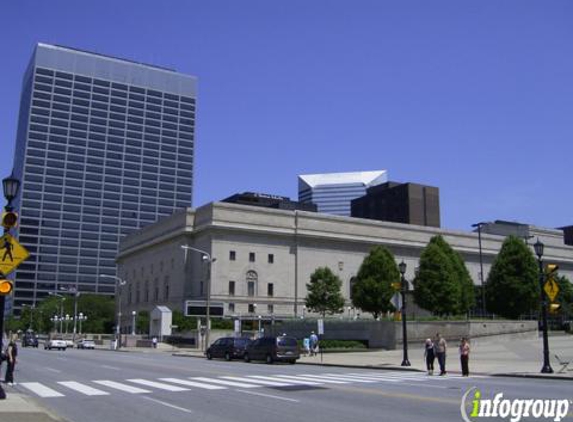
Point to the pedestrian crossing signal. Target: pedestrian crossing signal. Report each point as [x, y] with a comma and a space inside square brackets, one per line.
[9, 219]
[554, 308]
[6, 287]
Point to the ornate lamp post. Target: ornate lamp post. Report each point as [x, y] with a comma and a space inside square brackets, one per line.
[81, 318]
[478, 225]
[546, 369]
[133, 315]
[403, 290]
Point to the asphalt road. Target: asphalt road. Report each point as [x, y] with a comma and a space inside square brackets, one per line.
[97, 385]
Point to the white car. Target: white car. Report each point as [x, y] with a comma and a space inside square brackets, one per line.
[86, 344]
[55, 344]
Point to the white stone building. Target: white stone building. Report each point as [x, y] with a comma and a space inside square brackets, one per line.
[263, 258]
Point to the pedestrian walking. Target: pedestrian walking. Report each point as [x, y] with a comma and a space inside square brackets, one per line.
[441, 349]
[313, 343]
[465, 357]
[11, 353]
[429, 355]
[154, 342]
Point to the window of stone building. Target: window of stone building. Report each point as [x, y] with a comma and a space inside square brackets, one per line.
[252, 308]
[137, 294]
[271, 258]
[252, 279]
[146, 293]
[166, 288]
[270, 289]
[231, 288]
[270, 309]
[231, 307]
[156, 290]
[251, 257]
[232, 255]
[130, 294]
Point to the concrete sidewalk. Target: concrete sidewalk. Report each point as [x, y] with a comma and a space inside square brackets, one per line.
[21, 408]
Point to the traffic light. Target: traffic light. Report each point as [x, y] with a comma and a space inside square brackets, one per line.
[554, 308]
[9, 219]
[6, 287]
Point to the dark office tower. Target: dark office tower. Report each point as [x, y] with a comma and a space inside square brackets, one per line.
[104, 147]
[408, 203]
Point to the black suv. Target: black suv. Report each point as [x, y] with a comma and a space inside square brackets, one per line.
[228, 348]
[30, 340]
[273, 349]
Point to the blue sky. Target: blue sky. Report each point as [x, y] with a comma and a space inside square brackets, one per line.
[475, 98]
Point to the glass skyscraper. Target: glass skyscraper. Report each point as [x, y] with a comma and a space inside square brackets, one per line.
[333, 192]
[104, 147]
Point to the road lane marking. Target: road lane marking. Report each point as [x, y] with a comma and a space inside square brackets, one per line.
[309, 377]
[82, 388]
[371, 379]
[223, 382]
[337, 378]
[57, 371]
[114, 368]
[301, 380]
[261, 380]
[158, 385]
[122, 387]
[182, 409]
[40, 390]
[193, 384]
[270, 396]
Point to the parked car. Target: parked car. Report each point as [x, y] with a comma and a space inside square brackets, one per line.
[55, 344]
[273, 349]
[228, 348]
[86, 344]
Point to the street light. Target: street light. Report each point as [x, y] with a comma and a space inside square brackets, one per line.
[81, 318]
[133, 315]
[73, 290]
[55, 320]
[478, 225]
[209, 260]
[539, 247]
[67, 319]
[61, 319]
[118, 284]
[403, 290]
[10, 186]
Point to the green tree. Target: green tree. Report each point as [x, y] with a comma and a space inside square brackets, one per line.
[565, 296]
[142, 323]
[324, 294]
[435, 286]
[512, 287]
[183, 323]
[461, 274]
[373, 290]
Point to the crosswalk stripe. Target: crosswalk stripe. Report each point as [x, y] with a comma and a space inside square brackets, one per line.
[82, 388]
[122, 387]
[259, 380]
[392, 378]
[193, 384]
[40, 390]
[292, 381]
[322, 379]
[223, 382]
[302, 380]
[158, 385]
[340, 378]
[376, 379]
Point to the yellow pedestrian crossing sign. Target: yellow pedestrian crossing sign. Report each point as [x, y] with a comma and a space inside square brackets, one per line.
[12, 254]
[551, 289]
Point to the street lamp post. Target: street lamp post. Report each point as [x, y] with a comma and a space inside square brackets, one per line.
[479, 225]
[119, 282]
[546, 369]
[55, 320]
[81, 318]
[67, 319]
[133, 315]
[209, 260]
[10, 186]
[61, 318]
[76, 293]
[403, 290]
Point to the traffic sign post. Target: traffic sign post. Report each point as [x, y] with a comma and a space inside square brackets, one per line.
[12, 254]
[551, 289]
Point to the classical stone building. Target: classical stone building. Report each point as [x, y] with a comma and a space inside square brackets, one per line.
[263, 258]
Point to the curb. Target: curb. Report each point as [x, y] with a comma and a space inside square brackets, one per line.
[409, 369]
